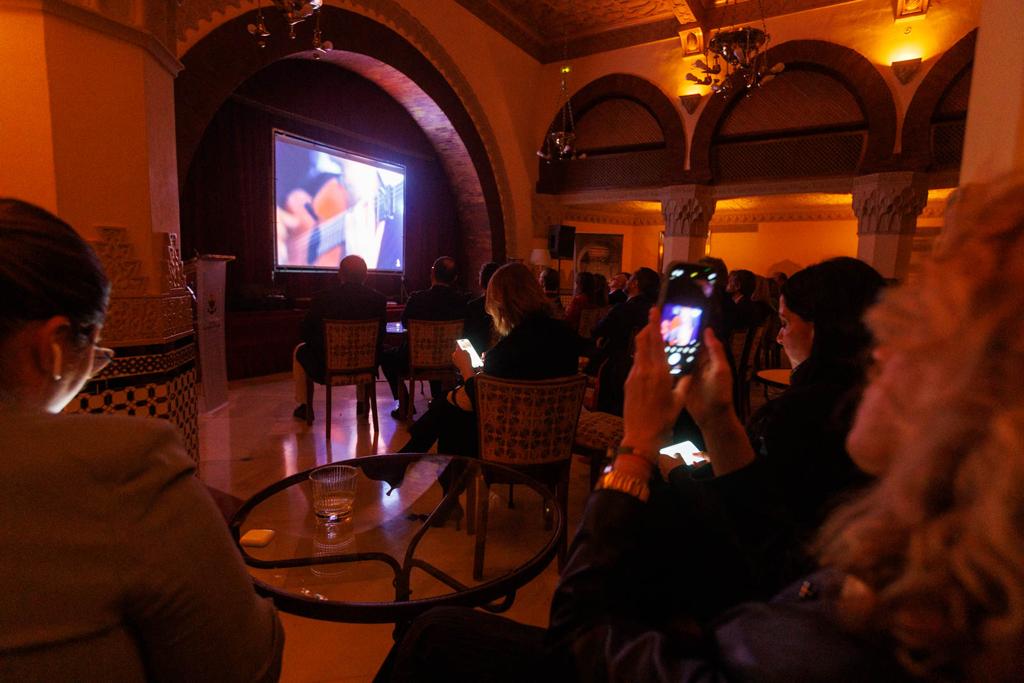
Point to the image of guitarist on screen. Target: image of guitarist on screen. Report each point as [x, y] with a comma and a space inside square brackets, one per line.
[329, 207]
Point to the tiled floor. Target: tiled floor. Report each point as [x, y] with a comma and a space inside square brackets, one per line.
[254, 441]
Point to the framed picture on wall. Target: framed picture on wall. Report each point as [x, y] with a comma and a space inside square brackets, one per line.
[600, 254]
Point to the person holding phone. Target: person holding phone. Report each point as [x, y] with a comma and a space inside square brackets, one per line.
[532, 345]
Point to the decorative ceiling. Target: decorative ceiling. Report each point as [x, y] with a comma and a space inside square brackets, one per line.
[551, 29]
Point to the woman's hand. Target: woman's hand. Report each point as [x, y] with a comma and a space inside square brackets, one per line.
[462, 361]
[709, 393]
[652, 404]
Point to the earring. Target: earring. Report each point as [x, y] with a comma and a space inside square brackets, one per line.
[58, 361]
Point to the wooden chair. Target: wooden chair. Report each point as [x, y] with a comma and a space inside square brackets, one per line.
[589, 317]
[431, 344]
[528, 425]
[350, 357]
[745, 345]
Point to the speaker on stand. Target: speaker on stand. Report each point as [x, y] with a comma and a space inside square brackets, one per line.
[561, 243]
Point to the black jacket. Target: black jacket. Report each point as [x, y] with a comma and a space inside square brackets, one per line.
[539, 347]
[440, 302]
[598, 633]
[479, 326]
[345, 301]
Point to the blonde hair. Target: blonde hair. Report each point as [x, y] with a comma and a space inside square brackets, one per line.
[513, 294]
[940, 539]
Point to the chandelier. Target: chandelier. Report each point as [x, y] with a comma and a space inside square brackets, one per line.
[739, 59]
[560, 145]
[295, 12]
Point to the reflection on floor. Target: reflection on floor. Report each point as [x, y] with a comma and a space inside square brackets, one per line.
[254, 441]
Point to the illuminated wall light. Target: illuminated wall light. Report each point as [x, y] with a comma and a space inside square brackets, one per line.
[905, 70]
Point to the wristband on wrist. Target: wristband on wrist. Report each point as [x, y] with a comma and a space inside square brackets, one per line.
[616, 480]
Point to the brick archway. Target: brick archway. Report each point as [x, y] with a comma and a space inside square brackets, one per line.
[847, 66]
[917, 149]
[227, 56]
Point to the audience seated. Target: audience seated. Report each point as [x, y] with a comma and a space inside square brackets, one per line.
[614, 338]
[349, 299]
[583, 297]
[441, 302]
[920, 575]
[600, 298]
[742, 311]
[617, 288]
[549, 281]
[479, 325]
[117, 565]
[532, 345]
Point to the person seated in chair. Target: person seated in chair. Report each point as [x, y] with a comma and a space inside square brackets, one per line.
[117, 565]
[479, 325]
[549, 281]
[617, 288]
[349, 299]
[532, 346]
[614, 338]
[442, 301]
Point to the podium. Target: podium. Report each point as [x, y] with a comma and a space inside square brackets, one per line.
[209, 271]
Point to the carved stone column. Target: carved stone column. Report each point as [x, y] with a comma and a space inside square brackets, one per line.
[91, 138]
[887, 206]
[687, 210]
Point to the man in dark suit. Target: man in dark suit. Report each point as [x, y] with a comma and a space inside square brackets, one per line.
[479, 326]
[614, 334]
[350, 299]
[617, 288]
[441, 302]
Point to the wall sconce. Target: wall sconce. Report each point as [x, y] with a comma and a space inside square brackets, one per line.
[906, 9]
[904, 70]
[693, 41]
[690, 102]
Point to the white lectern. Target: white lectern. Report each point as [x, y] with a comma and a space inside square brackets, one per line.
[210, 271]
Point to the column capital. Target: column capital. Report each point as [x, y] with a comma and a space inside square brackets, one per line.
[687, 210]
[889, 203]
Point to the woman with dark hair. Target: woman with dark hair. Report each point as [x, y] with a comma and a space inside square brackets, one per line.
[117, 564]
[801, 433]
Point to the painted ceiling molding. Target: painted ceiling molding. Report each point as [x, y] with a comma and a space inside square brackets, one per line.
[197, 18]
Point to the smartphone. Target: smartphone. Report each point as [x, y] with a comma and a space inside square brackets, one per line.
[394, 328]
[474, 357]
[685, 298]
[685, 451]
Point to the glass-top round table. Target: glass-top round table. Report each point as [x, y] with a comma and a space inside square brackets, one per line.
[390, 559]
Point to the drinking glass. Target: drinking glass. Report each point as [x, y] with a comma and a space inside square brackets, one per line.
[334, 491]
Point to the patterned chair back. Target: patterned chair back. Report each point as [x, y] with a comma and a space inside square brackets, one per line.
[589, 317]
[431, 343]
[351, 346]
[528, 422]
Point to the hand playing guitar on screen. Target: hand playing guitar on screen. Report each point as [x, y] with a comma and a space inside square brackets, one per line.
[298, 218]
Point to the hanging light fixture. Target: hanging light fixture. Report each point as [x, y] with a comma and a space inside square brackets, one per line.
[295, 12]
[739, 59]
[560, 145]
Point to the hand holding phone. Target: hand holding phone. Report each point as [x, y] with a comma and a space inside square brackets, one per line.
[685, 297]
[685, 451]
[474, 357]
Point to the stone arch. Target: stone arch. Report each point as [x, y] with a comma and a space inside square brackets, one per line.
[665, 164]
[437, 96]
[916, 147]
[847, 66]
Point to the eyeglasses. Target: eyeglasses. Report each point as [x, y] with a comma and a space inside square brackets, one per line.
[101, 358]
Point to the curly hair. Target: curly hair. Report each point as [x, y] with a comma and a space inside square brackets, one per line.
[940, 539]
